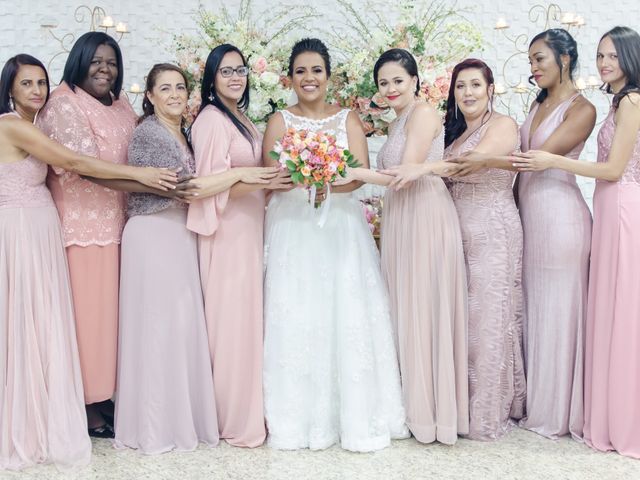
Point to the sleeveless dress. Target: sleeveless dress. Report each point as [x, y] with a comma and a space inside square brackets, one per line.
[612, 353]
[557, 239]
[42, 415]
[330, 366]
[423, 265]
[492, 240]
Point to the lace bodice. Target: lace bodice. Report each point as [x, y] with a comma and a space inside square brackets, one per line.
[392, 151]
[334, 125]
[90, 213]
[605, 139]
[22, 183]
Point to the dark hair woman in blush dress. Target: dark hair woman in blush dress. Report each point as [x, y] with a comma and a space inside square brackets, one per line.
[612, 352]
[422, 258]
[228, 218]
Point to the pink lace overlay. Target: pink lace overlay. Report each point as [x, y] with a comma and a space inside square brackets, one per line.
[605, 139]
[22, 184]
[90, 214]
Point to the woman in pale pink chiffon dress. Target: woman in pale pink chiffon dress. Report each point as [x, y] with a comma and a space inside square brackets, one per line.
[229, 220]
[557, 241]
[42, 416]
[492, 240]
[422, 258]
[165, 386]
[612, 353]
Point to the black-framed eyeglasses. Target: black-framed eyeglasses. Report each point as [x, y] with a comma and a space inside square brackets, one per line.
[229, 71]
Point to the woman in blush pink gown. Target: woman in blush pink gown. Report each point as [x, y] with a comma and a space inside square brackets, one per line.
[492, 240]
[229, 222]
[422, 259]
[42, 416]
[557, 240]
[612, 353]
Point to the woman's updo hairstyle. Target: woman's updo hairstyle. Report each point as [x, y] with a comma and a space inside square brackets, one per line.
[561, 43]
[313, 45]
[401, 57]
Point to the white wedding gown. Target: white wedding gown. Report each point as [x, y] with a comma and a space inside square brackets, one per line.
[330, 365]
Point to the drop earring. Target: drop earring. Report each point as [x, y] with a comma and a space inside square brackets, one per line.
[11, 105]
[455, 113]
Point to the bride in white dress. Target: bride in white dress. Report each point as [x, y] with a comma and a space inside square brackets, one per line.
[330, 365]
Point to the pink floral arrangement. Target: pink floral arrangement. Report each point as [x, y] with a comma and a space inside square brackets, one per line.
[372, 208]
[312, 158]
[436, 93]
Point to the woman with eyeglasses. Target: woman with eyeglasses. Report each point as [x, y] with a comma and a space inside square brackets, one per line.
[229, 218]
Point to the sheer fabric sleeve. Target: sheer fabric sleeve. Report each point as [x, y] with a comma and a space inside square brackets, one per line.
[211, 138]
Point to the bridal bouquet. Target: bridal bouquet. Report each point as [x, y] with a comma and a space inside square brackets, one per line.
[314, 161]
[312, 158]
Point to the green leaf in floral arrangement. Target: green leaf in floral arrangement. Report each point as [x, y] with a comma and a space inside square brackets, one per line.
[274, 155]
[291, 166]
[297, 177]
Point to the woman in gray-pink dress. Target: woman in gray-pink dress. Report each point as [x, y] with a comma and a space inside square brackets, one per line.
[492, 241]
[557, 241]
[422, 258]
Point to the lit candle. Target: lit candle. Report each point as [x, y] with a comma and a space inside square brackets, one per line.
[521, 88]
[121, 27]
[500, 89]
[501, 24]
[135, 88]
[567, 18]
[593, 81]
[581, 84]
[107, 22]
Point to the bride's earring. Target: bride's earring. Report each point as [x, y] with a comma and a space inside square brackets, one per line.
[455, 113]
[490, 104]
[11, 105]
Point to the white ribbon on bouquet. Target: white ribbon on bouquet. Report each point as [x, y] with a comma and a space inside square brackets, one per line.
[326, 205]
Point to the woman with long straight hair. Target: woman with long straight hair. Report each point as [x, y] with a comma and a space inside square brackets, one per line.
[229, 217]
[612, 353]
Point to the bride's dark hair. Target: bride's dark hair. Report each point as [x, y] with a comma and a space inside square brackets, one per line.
[313, 45]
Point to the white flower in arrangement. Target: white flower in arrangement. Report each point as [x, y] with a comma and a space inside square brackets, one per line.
[270, 78]
[388, 116]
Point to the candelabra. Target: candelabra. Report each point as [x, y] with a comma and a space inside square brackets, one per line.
[97, 20]
[522, 94]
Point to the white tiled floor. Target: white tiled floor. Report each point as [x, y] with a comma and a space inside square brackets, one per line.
[520, 455]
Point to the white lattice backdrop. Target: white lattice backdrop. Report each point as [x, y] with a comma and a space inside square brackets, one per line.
[154, 21]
